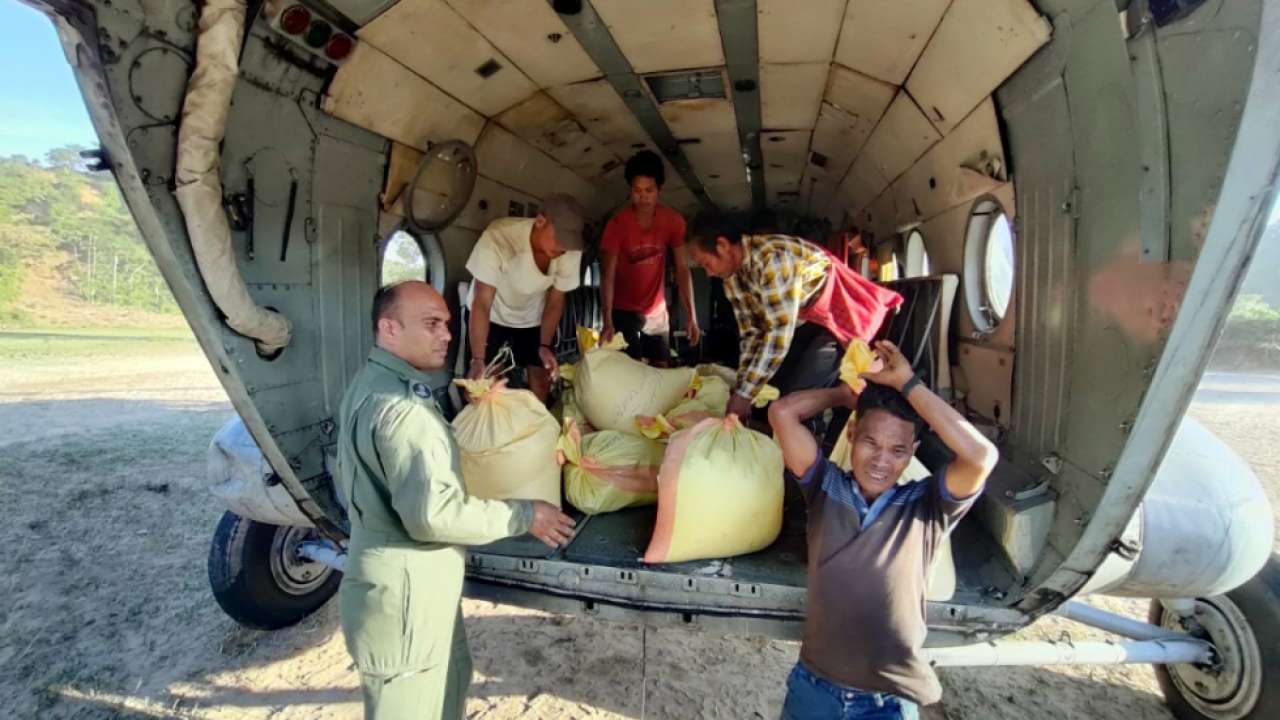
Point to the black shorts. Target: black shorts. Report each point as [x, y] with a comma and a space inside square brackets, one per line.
[640, 346]
[524, 343]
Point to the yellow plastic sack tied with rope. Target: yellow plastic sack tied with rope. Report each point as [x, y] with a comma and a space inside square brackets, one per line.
[508, 441]
[719, 493]
[707, 397]
[608, 470]
[859, 358]
[611, 389]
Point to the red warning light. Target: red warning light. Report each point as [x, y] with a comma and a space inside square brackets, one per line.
[339, 47]
[295, 20]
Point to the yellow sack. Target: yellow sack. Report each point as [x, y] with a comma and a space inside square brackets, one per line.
[612, 389]
[508, 441]
[719, 493]
[609, 470]
[857, 360]
[709, 397]
[841, 456]
[566, 408]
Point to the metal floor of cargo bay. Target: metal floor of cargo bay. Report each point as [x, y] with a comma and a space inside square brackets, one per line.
[619, 539]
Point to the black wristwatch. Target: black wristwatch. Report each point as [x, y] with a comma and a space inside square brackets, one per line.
[910, 385]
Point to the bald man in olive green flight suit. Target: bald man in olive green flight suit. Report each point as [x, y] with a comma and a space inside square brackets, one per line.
[398, 467]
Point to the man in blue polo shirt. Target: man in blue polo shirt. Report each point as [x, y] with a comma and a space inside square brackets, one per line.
[872, 541]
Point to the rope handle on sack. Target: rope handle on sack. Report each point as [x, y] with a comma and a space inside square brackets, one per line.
[491, 378]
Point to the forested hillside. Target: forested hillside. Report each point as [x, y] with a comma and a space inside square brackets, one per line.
[66, 238]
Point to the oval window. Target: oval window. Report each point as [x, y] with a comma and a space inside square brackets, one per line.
[997, 266]
[917, 264]
[988, 264]
[402, 259]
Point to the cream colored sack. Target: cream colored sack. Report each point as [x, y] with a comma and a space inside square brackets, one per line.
[719, 493]
[612, 389]
[609, 470]
[508, 441]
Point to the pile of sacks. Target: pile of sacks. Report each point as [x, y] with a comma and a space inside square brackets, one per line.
[631, 435]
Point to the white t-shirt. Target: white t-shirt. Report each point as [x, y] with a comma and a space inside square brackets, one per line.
[503, 258]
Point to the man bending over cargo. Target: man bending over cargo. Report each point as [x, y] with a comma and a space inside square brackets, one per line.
[522, 269]
[398, 470]
[872, 541]
[796, 306]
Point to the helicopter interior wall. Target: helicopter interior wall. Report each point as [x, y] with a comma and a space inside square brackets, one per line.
[909, 141]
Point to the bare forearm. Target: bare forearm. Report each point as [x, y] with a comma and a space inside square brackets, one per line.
[551, 313]
[800, 406]
[609, 275]
[478, 329]
[970, 447]
[684, 282]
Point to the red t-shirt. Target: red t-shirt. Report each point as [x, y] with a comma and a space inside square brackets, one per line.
[642, 257]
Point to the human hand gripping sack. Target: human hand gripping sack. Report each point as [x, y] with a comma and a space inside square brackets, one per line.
[550, 525]
[895, 370]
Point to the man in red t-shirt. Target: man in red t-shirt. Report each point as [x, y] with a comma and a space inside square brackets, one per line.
[634, 258]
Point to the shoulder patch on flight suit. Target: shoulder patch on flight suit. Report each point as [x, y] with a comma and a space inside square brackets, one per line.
[421, 390]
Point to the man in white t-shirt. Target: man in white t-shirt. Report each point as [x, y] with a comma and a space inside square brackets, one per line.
[521, 270]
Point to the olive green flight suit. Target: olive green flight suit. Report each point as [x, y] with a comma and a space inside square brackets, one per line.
[398, 468]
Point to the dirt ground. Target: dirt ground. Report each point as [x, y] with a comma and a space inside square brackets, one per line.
[107, 612]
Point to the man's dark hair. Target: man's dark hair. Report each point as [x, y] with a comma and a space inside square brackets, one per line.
[384, 302]
[646, 163]
[881, 397]
[709, 225]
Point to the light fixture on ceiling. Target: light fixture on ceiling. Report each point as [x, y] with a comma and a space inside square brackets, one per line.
[567, 7]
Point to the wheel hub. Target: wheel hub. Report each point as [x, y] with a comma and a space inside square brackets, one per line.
[294, 573]
[1229, 688]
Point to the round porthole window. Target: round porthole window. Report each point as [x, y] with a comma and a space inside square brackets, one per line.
[409, 257]
[441, 187]
[988, 266]
[917, 258]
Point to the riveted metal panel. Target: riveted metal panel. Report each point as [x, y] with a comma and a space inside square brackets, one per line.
[539, 44]
[788, 35]
[664, 35]
[883, 38]
[432, 40]
[977, 45]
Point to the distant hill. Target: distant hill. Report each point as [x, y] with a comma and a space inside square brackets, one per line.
[70, 253]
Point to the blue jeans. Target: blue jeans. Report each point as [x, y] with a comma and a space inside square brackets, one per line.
[809, 697]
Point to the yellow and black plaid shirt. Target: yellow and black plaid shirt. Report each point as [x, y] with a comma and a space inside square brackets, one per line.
[780, 274]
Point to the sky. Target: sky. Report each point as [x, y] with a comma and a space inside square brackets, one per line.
[40, 106]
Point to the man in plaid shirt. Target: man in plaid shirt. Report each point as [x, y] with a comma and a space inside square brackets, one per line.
[796, 306]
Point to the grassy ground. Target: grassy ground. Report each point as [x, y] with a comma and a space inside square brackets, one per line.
[107, 611]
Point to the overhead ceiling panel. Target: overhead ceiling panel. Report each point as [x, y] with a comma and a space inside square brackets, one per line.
[784, 159]
[790, 94]
[543, 123]
[977, 45]
[372, 91]
[432, 40]
[837, 138]
[717, 159]
[901, 137]
[857, 94]
[662, 35]
[682, 200]
[788, 35]
[883, 38]
[601, 110]
[513, 162]
[697, 118]
[540, 44]
[734, 197]
[862, 185]
[967, 163]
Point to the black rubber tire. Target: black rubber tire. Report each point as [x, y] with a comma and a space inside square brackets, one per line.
[241, 579]
[1259, 600]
